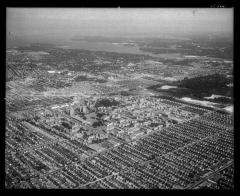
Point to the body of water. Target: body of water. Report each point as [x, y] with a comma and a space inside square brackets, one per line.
[104, 46]
[92, 46]
[111, 47]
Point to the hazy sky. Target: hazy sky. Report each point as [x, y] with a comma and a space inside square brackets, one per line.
[54, 22]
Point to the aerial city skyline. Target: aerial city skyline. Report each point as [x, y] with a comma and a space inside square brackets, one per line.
[119, 98]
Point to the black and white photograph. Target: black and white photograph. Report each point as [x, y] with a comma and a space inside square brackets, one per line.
[119, 98]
